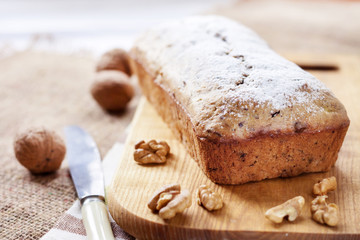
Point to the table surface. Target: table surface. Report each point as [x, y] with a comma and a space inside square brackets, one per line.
[33, 83]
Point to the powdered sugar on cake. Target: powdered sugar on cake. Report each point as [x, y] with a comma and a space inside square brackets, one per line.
[216, 61]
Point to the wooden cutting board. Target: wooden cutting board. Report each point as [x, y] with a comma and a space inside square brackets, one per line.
[243, 213]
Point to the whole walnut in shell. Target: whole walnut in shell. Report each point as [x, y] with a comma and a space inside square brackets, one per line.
[40, 150]
[112, 90]
[115, 59]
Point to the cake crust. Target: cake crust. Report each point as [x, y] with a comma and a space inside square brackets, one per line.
[234, 139]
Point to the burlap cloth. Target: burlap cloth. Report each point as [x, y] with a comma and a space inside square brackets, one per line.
[51, 90]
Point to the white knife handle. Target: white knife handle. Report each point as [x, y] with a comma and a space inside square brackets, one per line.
[96, 219]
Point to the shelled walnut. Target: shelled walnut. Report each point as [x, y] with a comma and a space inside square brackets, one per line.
[171, 188]
[165, 198]
[151, 152]
[177, 205]
[324, 186]
[209, 199]
[169, 201]
[290, 209]
[324, 213]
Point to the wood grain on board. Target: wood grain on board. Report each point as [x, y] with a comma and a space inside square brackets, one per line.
[245, 205]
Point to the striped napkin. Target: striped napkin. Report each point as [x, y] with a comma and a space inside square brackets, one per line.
[70, 225]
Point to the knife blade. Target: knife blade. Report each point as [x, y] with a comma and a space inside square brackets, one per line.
[86, 171]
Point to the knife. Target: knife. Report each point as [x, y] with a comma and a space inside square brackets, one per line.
[86, 171]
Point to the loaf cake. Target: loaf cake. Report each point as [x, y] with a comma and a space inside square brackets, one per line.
[243, 112]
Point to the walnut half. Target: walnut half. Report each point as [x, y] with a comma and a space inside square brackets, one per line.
[151, 152]
[169, 201]
[209, 199]
[290, 209]
[324, 213]
[324, 186]
[169, 189]
[177, 205]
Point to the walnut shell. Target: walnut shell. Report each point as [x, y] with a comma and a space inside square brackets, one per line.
[39, 150]
[115, 59]
[112, 90]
